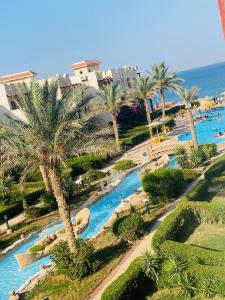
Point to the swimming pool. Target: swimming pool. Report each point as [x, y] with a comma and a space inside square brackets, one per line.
[207, 129]
[11, 278]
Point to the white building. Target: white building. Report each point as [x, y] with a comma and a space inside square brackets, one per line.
[86, 73]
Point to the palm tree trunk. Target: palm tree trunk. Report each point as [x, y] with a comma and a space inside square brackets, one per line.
[45, 177]
[148, 114]
[58, 191]
[192, 127]
[116, 131]
[163, 103]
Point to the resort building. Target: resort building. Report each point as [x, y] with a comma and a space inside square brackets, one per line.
[86, 74]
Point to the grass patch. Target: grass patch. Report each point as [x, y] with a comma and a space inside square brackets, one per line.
[56, 286]
[208, 236]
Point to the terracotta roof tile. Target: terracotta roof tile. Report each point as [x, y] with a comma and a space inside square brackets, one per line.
[85, 63]
[17, 76]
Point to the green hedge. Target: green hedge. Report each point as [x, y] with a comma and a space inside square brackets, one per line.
[163, 184]
[124, 165]
[10, 210]
[127, 285]
[192, 254]
[83, 164]
[93, 175]
[187, 213]
[35, 212]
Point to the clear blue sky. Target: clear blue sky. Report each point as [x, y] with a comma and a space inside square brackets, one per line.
[47, 36]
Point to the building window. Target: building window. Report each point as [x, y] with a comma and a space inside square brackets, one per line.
[89, 70]
[13, 105]
[81, 72]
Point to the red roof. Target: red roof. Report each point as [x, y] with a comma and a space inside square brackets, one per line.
[85, 63]
[222, 13]
[17, 76]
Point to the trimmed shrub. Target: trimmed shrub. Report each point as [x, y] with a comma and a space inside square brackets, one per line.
[36, 248]
[163, 184]
[129, 228]
[35, 212]
[124, 165]
[77, 265]
[128, 285]
[48, 201]
[192, 254]
[93, 175]
[187, 214]
[83, 164]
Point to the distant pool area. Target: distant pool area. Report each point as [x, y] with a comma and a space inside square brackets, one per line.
[207, 129]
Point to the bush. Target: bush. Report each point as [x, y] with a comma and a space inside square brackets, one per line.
[85, 163]
[163, 184]
[36, 248]
[128, 285]
[48, 201]
[35, 212]
[189, 175]
[197, 157]
[209, 150]
[35, 176]
[182, 157]
[75, 265]
[129, 228]
[124, 165]
[93, 175]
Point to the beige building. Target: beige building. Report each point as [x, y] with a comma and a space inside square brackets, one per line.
[86, 73]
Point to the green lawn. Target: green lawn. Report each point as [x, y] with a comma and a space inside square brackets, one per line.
[210, 236]
[172, 294]
[212, 188]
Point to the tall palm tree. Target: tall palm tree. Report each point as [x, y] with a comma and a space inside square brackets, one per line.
[187, 96]
[146, 89]
[165, 80]
[52, 129]
[111, 101]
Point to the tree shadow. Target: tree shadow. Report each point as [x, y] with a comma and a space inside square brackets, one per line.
[105, 255]
[206, 248]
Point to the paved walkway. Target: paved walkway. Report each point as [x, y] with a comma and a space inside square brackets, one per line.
[17, 219]
[139, 248]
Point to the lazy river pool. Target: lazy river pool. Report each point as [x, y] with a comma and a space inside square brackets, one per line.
[11, 278]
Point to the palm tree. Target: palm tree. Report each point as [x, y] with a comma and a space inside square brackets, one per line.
[187, 96]
[146, 89]
[52, 129]
[165, 80]
[111, 102]
[151, 265]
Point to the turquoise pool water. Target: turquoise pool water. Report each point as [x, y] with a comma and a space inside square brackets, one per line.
[207, 129]
[11, 278]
